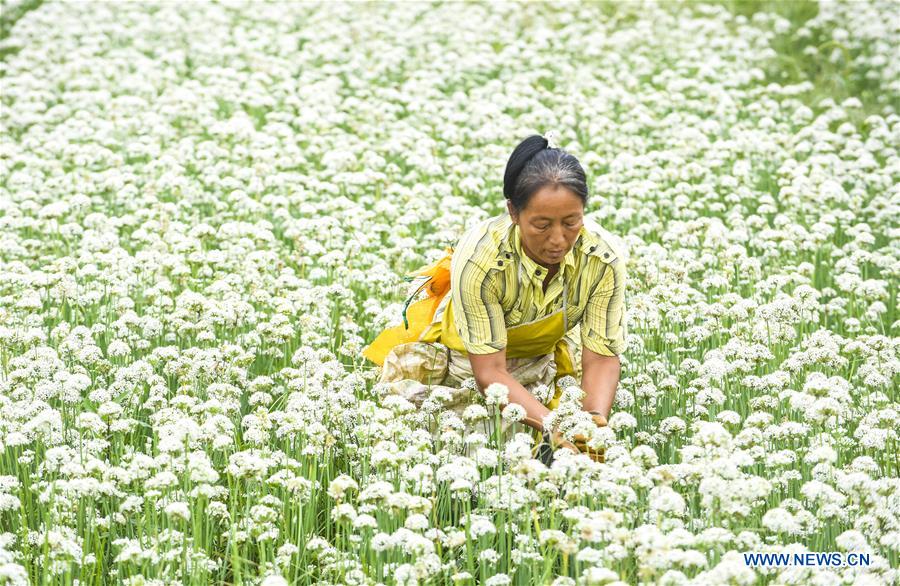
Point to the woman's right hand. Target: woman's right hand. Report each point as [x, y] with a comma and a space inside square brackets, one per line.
[555, 438]
[581, 441]
[558, 441]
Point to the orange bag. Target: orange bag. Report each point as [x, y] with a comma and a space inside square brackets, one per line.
[416, 316]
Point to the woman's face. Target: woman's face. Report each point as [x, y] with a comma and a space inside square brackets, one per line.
[549, 224]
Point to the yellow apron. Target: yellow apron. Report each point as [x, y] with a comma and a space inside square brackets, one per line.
[532, 339]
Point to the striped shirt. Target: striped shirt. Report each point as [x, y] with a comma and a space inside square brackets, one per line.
[495, 285]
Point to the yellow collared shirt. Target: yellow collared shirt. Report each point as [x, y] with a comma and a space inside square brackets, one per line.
[495, 285]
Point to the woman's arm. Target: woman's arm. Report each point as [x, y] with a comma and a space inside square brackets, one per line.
[599, 380]
[603, 335]
[491, 368]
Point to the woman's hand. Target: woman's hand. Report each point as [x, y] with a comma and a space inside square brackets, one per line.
[599, 420]
[558, 441]
[598, 455]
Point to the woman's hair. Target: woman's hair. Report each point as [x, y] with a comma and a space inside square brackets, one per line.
[533, 166]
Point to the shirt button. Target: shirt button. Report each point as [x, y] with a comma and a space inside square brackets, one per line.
[537, 272]
[605, 255]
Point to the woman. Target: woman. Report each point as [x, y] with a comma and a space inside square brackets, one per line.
[520, 287]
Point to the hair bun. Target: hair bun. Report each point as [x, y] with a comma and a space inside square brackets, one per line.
[520, 156]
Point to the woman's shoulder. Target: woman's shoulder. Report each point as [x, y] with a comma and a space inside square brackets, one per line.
[605, 244]
[484, 238]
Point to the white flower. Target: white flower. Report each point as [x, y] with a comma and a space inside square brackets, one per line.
[343, 512]
[416, 522]
[460, 485]
[489, 556]
[340, 485]
[365, 520]
[498, 580]
[179, 510]
[559, 540]
[665, 500]
[496, 394]
[621, 420]
[486, 457]
[852, 540]
[710, 433]
[780, 521]
[543, 393]
[118, 348]
[672, 425]
[598, 575]
[480, 525]
[551, 138]
[513, 412]
[474, 412]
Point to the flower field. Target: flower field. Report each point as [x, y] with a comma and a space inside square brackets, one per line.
[207, 211]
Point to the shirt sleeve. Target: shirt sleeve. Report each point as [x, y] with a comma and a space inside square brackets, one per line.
[603, 328]
[476, 307]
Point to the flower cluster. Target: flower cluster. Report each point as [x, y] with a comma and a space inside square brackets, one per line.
[207, 209]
